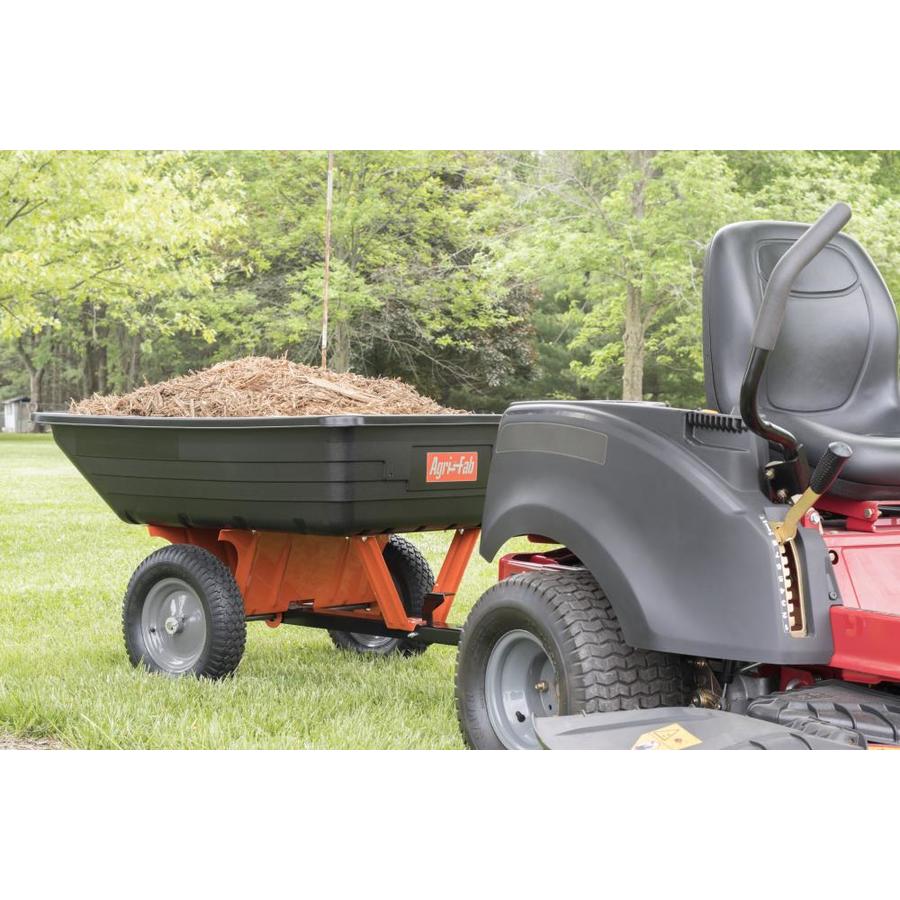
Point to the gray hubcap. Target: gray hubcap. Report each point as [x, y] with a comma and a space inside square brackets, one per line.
[371, 641]
[520, 683]
[173, 625]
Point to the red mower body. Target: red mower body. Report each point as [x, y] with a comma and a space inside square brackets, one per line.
[865, 555]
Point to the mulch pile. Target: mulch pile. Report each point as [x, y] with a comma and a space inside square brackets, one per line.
[260, 386]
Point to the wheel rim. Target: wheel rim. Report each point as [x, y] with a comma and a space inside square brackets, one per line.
[173, 625]
[371, 641]
[520, 684]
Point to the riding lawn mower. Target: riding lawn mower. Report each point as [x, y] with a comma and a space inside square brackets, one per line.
[731, 576]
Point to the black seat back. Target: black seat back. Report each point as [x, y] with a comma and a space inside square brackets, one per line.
[836, 358]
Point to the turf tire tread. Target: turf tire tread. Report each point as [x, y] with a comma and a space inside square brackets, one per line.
[227, 625]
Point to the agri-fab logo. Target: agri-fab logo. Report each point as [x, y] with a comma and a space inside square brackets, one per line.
[441, 467]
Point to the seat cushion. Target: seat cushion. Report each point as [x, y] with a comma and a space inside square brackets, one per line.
[873, 472]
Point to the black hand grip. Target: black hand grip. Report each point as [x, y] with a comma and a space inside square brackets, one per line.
[829, 466]
[811, 242]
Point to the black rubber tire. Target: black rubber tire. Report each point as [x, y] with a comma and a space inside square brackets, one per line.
[414, 579]
[572, 618]
[223, 606]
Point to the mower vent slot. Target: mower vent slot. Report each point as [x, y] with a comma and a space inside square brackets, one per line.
[715, 421]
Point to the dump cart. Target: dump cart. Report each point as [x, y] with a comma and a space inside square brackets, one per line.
[286, 520]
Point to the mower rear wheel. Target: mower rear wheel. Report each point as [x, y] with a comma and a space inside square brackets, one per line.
[546, 644]
[184, 615]
[413, 579]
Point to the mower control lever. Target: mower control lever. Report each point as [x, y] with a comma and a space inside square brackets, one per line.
[823, 477]
[829, 467]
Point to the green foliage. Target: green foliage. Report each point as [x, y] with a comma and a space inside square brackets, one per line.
[99, 251]
[621, 235]
[409, 292]
[480, 277]
[117, 227]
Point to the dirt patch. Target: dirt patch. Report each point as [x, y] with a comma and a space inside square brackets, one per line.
[9, 742]
[260, 386]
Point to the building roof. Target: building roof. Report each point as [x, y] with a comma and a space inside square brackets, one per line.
[22, 399]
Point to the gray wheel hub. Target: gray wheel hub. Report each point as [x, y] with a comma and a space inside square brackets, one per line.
[372, 641]
[520, 685]
[173, 625]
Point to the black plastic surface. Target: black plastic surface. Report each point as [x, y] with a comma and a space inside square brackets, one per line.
[714, 729]
[669, 519]
[785, 271]
[833, 373]
[875, 714]
[317, 475]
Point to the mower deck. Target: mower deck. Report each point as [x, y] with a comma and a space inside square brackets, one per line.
[873, 714]
[687, 728]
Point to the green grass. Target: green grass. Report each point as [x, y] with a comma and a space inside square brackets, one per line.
[65, 560]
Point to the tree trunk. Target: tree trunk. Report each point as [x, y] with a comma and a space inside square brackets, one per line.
[340, 346]
[36, 392]
[35, 381]
[134, 361]
[340, 336]
[635, 324]
[87, 370]
[633, 340]
[102, 363]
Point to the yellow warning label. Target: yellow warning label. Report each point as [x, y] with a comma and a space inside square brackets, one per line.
[669, 737]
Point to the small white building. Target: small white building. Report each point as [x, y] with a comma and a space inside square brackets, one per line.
[17, 414]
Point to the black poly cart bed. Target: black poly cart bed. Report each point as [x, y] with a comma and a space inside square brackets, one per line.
[329, 475]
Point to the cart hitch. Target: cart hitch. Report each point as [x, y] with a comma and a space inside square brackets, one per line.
[430, 602]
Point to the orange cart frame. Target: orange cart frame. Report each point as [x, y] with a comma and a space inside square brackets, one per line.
[319, 581]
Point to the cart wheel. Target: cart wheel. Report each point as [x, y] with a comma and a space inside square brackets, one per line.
[548, 644]
[184, 615]
[414, 579]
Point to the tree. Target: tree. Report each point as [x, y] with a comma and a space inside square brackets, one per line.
[801, 185]
[479, 277]
[622, 235]
[101, 248]
[411, 292]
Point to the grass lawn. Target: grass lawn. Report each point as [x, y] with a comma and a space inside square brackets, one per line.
[65, 560]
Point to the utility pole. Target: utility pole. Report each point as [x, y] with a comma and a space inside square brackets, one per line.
[328, 194]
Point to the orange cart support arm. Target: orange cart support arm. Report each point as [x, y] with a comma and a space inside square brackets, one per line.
[448, 581]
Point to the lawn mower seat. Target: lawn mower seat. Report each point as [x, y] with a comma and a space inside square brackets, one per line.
[833, 373]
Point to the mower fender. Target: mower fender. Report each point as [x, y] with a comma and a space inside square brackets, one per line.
[670, 521]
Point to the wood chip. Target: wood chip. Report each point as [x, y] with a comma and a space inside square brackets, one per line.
[260, 386]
